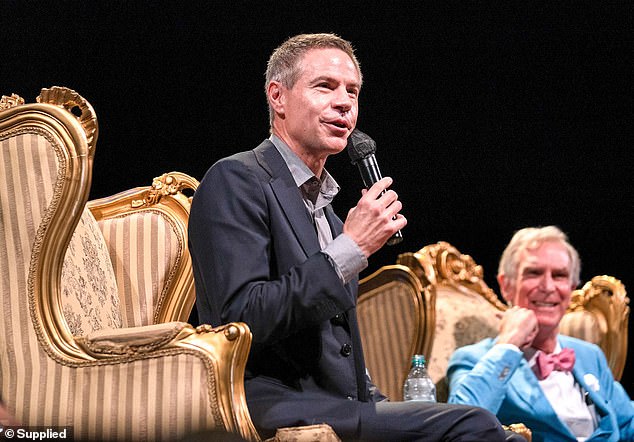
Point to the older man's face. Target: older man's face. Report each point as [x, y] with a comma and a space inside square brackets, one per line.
[543, 283]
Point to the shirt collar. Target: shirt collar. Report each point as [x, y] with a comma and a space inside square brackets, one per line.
[531, 354]
[302, 174]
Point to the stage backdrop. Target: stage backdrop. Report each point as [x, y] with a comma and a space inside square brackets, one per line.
[490, 117]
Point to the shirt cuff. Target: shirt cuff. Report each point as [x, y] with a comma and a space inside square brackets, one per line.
[346, 257]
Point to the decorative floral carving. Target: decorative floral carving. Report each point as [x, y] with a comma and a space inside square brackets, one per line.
[448, 264]
[7, 102]
[72, 101]
[166, 184]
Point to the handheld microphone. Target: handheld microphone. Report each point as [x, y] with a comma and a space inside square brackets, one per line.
[361, 149]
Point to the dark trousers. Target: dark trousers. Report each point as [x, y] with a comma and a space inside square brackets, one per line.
[420, 421]
[273, 406]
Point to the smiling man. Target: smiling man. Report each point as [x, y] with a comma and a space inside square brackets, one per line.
[560, 387]
[268, 250]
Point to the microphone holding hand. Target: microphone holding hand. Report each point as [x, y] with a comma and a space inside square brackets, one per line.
[361, 149]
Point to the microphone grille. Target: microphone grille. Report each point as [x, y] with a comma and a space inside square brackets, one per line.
[360, 146]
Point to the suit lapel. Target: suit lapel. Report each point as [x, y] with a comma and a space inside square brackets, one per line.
[527, 388]
[604, 426]
[288, 196]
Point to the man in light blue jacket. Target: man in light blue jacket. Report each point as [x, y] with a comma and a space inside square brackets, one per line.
[559, 387]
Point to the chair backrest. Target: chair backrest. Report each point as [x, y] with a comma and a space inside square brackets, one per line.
[467, 310]
[395, 320]
[46, 160]
[145, 230]
[599, 313]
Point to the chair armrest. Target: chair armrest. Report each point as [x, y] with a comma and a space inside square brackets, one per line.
[308, 433]
[520, 429]
[134, 340]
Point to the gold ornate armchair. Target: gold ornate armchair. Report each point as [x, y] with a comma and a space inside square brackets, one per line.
[467, 310]
[599, 313]
[396, 316]
[94, 295]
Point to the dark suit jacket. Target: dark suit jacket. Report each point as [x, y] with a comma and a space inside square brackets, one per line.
[257, 259]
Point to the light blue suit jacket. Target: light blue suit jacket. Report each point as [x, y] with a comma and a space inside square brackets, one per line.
[500, 380]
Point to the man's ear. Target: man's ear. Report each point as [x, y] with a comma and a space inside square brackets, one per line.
[506, 288]
[275, 95]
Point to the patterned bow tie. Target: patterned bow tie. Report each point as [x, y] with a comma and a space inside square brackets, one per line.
[546, 363]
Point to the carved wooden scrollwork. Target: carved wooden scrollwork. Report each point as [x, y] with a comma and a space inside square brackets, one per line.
[452, 266]
[604, 301]
[166, 184]
[606, 287]
[74, 103]
[7, 102]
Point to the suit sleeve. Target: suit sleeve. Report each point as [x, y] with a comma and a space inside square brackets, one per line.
[232, 245]
[479, 377]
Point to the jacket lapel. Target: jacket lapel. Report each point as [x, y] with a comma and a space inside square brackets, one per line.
[605, 425]
[525, 385]
[288, 197]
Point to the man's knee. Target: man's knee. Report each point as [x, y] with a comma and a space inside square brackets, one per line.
[475, 422]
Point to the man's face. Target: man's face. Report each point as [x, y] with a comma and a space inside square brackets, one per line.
[543, 283]
[320, 111]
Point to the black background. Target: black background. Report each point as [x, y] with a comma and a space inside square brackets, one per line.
[491, 116]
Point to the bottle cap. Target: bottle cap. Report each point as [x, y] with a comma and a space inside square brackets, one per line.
[418, 360]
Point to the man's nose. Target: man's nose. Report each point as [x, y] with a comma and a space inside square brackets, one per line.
[342, 99]
[547, 282]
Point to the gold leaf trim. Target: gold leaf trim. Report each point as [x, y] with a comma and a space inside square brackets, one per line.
[72, 101]
[164, 185]
[449, 265]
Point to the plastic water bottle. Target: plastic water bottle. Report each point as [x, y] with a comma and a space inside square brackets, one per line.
[418, 385]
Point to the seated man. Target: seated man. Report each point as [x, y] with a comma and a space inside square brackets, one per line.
[268, 250]
[559, 387]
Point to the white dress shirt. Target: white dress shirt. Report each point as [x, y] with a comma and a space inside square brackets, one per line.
[567, 399]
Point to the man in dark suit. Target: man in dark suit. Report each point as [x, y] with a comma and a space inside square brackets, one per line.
[268, 250]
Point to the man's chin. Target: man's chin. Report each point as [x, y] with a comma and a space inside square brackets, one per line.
[548, 321]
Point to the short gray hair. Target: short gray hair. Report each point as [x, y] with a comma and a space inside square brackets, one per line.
[531, 238]
[284, 63]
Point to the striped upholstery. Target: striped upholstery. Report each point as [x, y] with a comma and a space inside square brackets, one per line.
[392, 315]
[28, 171]
[133, 238]
[191, 383]
[584, 325]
